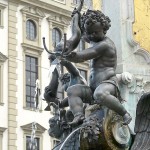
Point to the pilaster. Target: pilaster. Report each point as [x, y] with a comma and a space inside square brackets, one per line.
[12, 76]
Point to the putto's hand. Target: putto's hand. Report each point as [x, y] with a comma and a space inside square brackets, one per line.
[70, 56]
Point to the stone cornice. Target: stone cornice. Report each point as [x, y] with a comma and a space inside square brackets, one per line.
[14, 2]
[2, 6]
[33, 11]
[2, 130]
[28, 128]
[48, 7]
[31, 47]
[2, 58]
[58, 18]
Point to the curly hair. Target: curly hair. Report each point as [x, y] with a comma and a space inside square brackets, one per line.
[65, 78]
[94, 16]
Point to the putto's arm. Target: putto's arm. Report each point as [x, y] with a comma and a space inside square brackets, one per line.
[73, 42]
[71, 68]
[89, 53]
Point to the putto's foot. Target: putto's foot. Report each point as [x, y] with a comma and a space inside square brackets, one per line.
[78, 119]
[127, 119]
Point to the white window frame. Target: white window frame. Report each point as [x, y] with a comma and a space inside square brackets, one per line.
[53, 140]
[2, 60]
[36, 15]
[33, 52]
[1, 137]
[60, 1]
[2, 7]
[27, 129]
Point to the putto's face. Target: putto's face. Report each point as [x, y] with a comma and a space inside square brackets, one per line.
[94, 32]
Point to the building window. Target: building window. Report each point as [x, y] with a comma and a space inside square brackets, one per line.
[83, 73]
[31, 26]
[56, 36]
[27, 130]
[30, 29]
[1, 137]
[31, 77]
[34, 146]
[2, 7]
[81, 45]
[3, 58]
[55, 142]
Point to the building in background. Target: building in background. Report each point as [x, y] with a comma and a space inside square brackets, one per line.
[23, 23]
[23, 60]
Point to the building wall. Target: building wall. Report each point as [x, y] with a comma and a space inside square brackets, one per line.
[27, 116]
[15, 116]
[4, 50]
[141, 26]
[97, 4]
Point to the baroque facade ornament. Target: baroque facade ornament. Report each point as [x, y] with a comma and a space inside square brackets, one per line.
[33, 11]
[58, 18]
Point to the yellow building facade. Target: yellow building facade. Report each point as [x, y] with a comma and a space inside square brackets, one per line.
[97, 4]
[141, 26]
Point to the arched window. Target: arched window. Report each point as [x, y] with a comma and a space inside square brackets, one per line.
[30, 30]
[56, 36]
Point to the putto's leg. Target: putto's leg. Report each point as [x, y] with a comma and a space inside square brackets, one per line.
[104, 95]
[75, 99]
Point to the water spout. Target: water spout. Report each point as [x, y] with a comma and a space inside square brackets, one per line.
[69, 137]
[33, 142]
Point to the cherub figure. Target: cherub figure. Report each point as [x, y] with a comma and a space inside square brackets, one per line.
[68, 79]
[102, 54]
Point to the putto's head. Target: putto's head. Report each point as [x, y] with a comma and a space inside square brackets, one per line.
[65, 79]
[92, 17]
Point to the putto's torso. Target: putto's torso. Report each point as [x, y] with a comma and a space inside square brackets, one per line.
[103, 67]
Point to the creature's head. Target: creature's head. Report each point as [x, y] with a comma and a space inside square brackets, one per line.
[65, 79]
[55, 130]
[94, 25]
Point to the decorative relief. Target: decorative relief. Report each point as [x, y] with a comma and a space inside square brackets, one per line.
[34, 11]
[59, 19]
[135, 84]
[28, 128]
